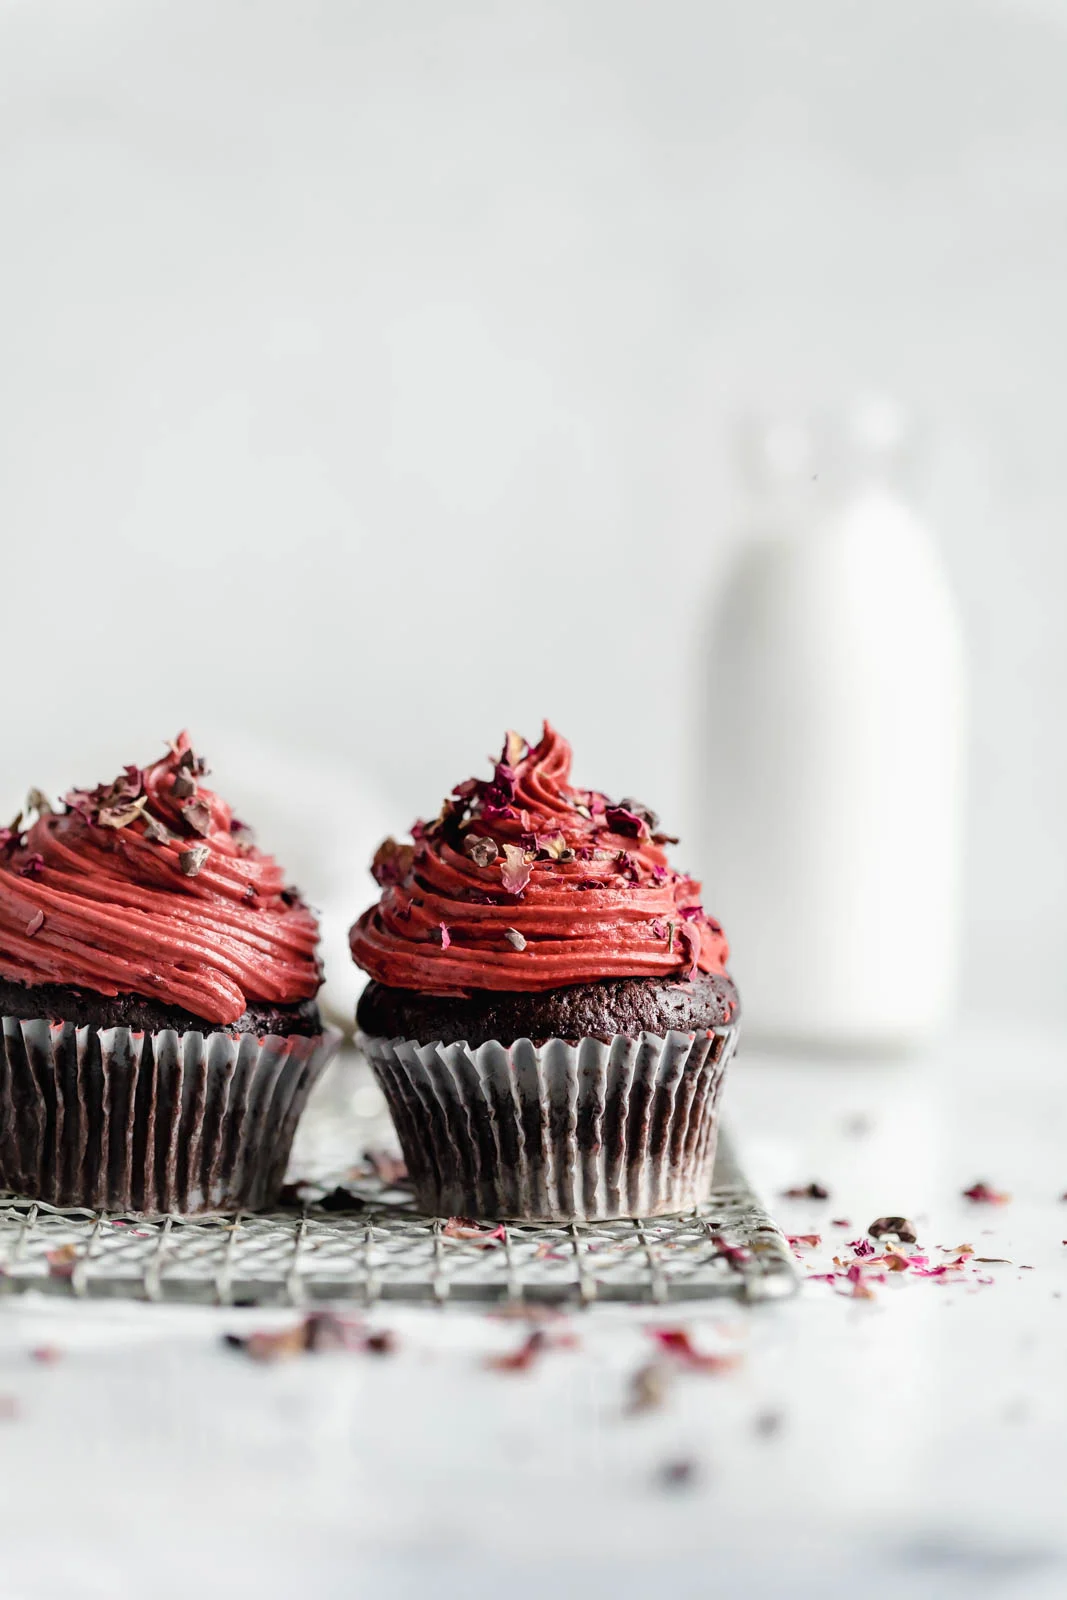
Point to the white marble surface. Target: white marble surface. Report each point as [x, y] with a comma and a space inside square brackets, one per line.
[922, 1439]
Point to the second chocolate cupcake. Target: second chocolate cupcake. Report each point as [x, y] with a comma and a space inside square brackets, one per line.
[551, 1015]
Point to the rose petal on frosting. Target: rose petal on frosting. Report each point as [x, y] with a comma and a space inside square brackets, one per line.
[516, 872]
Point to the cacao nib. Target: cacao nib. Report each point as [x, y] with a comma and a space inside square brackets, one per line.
[482, 851]
[898, 1226]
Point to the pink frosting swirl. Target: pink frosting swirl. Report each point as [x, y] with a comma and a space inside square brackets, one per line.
[527, 883]
[149, 886]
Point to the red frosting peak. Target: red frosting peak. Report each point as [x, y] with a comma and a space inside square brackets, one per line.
[525, 883]
[149, 886]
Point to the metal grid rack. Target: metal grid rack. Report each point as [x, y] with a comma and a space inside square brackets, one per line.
[379, 1248]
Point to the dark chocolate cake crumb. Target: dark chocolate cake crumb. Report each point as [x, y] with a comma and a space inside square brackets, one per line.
[84, 1008]
[597, 1010]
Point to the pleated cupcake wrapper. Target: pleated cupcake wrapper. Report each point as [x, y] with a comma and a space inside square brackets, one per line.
[557, 1131]
[151, 1122]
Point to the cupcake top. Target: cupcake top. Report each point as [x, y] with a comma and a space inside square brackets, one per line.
[149, 886]
[525, 883]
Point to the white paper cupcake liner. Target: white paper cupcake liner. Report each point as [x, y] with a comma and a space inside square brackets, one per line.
[557, 1131]
[118, 1120]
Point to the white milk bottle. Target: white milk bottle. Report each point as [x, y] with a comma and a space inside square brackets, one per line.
[831, 746]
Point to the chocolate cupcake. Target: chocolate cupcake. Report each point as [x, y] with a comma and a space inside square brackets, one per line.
[157, 989]
[550, 1014]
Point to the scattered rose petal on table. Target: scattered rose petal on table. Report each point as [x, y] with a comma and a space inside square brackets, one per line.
[984, 1194]
[530, 1350]
[317, 1333]
[676, 1342]
[680, 1474]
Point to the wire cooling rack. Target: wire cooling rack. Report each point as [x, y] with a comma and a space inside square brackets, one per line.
[367, 1242]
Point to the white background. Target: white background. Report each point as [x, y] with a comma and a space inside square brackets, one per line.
[366, 372]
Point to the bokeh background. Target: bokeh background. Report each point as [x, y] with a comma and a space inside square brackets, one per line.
[368, 372]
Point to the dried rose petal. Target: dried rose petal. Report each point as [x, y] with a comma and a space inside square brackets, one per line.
[637, 809]
[392, 862]
[326, 1330]
[985, 1194]
[269, 1346]
[35, 924]
[677, 1474]
[317, 1333]
[626, 863]
[677, 1343]
[554, 845]
[737, 1255]
[514, 748]
[806, 1191]
[525, 1356]
[625, 822]
[862, 1291]
[516, 872]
